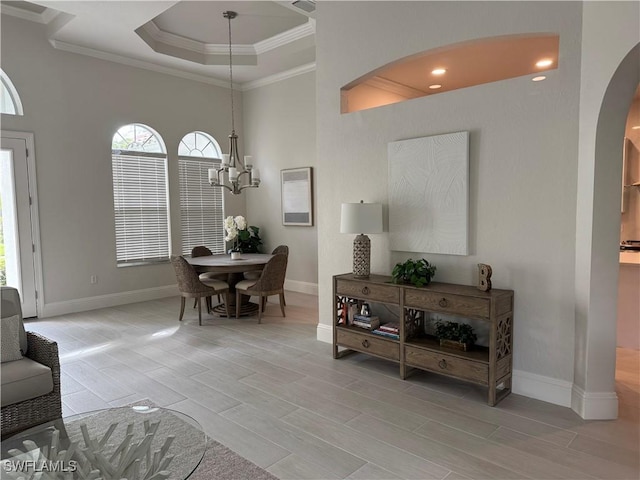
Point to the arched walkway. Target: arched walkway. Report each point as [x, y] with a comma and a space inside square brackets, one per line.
[596, 283]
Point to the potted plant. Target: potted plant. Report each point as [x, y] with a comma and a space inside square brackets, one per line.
[245, 238]
[455, 335]
[416, 272]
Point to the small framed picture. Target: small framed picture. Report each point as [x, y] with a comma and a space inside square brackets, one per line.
[297, 198]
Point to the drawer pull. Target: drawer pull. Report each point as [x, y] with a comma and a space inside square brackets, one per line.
[443, 302]
[442, 364]
[365, 290]
[365, 343]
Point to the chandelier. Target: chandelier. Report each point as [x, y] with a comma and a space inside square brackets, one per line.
[234, 174]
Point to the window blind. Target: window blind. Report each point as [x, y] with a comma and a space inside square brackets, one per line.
[141, 207]
[201, 208]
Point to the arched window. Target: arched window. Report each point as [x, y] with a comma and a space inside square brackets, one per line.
[201, 207]
[140, 198]
[199, 144]
[9, 99]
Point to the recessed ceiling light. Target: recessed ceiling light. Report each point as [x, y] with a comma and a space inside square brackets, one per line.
[435, 86]
[538, 79]
[635, 127]
[544, 63]
[438, 71]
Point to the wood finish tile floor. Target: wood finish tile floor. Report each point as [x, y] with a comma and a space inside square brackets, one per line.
[275, 395]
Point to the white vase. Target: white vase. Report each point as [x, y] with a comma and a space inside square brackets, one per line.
[235, 255]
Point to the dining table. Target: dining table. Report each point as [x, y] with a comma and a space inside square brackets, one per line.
[234, 268]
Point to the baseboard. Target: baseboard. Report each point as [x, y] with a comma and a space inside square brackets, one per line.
[324, 333]
[542, 388]
[112, 300]
[102, 301]
[594, 405]
[301, 287]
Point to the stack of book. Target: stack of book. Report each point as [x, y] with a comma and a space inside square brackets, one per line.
[364, 321]
[389, 330]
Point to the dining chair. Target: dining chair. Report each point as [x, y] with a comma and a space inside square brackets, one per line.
[202, 251]
[191, 286]
[254, 275]
[271, 282]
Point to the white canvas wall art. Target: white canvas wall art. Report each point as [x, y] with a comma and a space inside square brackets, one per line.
[429, 194]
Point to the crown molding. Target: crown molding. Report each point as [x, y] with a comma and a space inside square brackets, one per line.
[132, 62]
[395, 87]
[177, 41]
[44, 17]
[278, 77]
[286, 37]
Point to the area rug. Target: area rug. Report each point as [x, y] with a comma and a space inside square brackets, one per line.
[220, 463]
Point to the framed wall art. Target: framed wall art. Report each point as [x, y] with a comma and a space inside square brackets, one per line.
[297, 196]
[429, 194]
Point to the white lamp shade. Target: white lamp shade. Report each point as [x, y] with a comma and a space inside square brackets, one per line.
[361, 218]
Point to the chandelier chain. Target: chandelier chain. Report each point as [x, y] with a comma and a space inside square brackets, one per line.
[233, 128]
[232, 169]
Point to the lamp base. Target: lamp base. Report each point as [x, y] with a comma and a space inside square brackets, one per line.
[361, 256]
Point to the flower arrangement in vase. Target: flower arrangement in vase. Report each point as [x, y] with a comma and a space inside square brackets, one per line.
[245, 238]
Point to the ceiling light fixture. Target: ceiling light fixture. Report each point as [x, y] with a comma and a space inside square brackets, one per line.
[231, 163]
[538, 79]
[438, 71]
[435, 86]
[544, 63]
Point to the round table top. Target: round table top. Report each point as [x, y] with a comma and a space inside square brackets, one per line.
[224, 263]
[161, 439]
[223, 260]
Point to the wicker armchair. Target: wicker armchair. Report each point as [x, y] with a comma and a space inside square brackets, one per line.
[271, 282]
[27, 413]
[191, 286]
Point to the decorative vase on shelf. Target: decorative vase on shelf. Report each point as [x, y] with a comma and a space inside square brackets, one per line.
[235, 255]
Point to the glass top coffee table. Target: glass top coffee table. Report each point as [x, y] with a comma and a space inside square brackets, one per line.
[133, 443]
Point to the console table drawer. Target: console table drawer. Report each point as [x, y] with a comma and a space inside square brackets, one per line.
[447, 364]
[365, 291]
[367, 344]
[447, 303]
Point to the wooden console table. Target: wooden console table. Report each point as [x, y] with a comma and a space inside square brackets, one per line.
[488, 366]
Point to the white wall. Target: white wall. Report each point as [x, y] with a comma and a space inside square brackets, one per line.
[74, 104]
[280, 125]
[523, 161]
[610, 73]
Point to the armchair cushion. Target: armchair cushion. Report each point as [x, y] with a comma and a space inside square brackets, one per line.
[10, 307]
[24, 379]
[10, 339]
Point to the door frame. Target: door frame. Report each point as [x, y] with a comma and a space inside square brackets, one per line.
[28, 138]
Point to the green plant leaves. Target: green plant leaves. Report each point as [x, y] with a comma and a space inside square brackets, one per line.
[459, 332]
[418, 272]
[249, 240]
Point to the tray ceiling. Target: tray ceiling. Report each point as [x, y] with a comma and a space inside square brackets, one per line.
[185, 38]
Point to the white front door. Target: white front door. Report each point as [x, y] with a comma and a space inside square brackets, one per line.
[17, 246]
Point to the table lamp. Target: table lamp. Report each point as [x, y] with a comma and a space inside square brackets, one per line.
[361, 218]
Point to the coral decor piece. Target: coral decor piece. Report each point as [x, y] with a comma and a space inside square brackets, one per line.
[97, 459]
